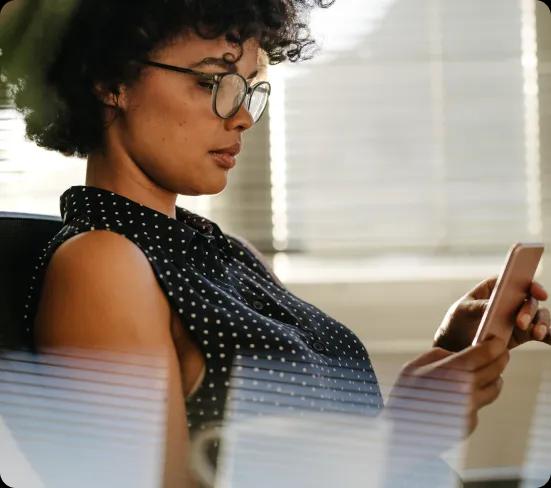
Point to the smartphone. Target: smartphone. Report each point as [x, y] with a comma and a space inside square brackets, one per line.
[511, 289]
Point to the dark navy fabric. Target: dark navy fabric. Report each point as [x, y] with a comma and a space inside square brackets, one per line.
[265, 349]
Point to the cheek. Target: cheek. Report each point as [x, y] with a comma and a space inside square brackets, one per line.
[177, 124]
[169, 137]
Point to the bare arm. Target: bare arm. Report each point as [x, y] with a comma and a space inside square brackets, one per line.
[100, 293]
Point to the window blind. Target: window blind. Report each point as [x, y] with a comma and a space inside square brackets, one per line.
[412, 134]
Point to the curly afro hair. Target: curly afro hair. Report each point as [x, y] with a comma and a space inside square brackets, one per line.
[98, 42]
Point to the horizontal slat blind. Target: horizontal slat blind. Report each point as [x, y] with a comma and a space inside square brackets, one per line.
[409, 135]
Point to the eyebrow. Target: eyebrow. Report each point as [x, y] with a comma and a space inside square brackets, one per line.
[222, 64]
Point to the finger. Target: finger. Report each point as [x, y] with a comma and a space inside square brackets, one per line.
[491, 372]
[435, 354]
[538, 291]
[540, 326]
[479, 355]
[444, 378]
[423, 372]
[411, 371]
[483, 290]
[488, 394]
[526, 314]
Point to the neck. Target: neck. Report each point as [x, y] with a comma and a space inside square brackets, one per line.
[112, 169]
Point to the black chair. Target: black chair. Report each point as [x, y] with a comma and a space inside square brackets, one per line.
[23, 237]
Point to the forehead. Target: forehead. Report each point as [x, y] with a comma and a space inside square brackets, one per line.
[192, 48]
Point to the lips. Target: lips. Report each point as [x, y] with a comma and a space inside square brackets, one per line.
[231, 150]
[225, 157]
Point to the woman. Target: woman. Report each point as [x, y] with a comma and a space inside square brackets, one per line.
[157, 96]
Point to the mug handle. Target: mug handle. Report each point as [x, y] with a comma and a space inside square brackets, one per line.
[200, 463]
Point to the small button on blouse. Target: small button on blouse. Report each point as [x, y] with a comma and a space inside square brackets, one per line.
[318, 346]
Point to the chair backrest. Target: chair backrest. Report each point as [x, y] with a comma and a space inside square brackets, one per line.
[23, 237]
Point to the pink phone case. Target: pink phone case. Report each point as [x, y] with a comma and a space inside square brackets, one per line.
[512, 287]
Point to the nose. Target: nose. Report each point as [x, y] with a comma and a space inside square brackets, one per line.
[241, 121]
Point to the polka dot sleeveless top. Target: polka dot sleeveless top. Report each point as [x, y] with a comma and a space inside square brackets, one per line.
[265, 349]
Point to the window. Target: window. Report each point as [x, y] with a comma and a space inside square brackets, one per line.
[416, 133]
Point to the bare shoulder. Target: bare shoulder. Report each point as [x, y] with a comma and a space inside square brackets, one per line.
[100, 291]
[100, 294]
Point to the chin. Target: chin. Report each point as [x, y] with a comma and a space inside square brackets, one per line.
[215, 189]
[211, 187]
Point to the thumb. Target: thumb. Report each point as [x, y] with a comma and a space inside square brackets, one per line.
[477, 306]
[484, 288]
[431, 356]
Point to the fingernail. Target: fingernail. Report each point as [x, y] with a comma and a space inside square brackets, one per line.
[525, 320]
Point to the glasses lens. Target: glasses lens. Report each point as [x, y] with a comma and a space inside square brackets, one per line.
[231, 93]
[258, 100]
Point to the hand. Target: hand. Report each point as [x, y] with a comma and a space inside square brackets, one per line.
[443, 389]
[460, 324]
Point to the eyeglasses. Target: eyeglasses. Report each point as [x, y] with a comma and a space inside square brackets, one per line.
[229, 91]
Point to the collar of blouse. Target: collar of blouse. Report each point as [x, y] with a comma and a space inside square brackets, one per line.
[155, 230]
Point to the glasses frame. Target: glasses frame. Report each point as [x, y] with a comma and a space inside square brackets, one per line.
[215, 79]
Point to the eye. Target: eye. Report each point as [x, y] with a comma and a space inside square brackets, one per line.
[206, 84]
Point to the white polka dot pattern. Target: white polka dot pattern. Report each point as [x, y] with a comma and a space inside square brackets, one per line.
[272, 347]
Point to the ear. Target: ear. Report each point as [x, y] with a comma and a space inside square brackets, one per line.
[263, 62]
[114, 97]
